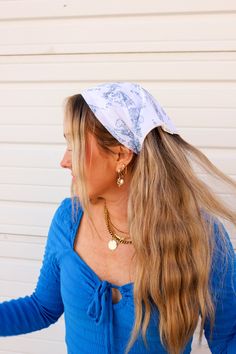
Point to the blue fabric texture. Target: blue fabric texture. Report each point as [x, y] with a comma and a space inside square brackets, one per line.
[66, 284]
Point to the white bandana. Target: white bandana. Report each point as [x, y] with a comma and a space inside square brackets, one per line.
[127, 111]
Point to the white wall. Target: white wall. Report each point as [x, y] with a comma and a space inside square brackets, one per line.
[184, 52]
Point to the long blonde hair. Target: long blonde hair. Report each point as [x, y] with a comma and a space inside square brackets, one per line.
[171, 214]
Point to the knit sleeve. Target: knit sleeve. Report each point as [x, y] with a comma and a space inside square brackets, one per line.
[44, 306]
[223, 282]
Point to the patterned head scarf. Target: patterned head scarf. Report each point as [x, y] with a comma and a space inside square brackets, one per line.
[127, 111]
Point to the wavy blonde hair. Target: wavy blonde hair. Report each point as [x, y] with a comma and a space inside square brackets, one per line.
[172, 237]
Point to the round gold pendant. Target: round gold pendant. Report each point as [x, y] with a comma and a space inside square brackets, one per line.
[112, 245]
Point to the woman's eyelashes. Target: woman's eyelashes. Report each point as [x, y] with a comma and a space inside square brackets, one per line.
[68, 143]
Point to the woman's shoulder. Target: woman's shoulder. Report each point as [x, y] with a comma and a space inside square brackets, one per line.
[68, 210]
[63, 223]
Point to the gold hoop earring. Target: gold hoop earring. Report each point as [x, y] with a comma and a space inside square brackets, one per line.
[121, 174]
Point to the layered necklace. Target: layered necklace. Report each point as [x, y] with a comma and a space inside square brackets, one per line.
[115, 239]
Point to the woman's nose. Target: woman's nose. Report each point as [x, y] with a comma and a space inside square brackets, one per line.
[66, 160]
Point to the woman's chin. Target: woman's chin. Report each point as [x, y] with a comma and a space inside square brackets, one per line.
[94, 199]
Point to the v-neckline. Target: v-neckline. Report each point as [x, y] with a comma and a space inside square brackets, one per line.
[126, 286]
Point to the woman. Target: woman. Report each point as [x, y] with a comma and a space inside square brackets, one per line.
[138, 253]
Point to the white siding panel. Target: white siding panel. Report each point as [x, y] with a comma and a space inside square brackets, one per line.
[217, 186]
[149, 70]
[22, 247]
[225, 159]
[31, 116]
[36, 194]
[152, 33]
[183, 52]
[34, 176]
[26, 270]
[199, 117]
[210, 137]
[37, 346]
[12, 288]
[42, 134]
[25, 218]
[65, 9]
[31, 155]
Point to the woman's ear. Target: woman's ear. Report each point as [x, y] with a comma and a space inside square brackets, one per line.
[125, 155]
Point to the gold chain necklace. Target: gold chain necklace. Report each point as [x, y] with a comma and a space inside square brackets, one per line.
[113, 243]
[116, 227]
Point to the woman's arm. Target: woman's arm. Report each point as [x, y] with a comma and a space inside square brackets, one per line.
[44, 306]
[224, 291]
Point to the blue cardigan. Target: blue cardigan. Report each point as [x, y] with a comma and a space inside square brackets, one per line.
[66, 284]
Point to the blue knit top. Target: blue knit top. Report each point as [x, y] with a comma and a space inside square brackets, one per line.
[94, 324]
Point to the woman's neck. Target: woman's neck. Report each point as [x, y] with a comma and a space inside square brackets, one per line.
[117, 210]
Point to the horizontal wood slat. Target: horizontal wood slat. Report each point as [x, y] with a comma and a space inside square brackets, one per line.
[37, 346]
[45, 9]
[155, 33]
[26, 218]
[37, 194]
[20, 249]
[35, 176]
[184, 70]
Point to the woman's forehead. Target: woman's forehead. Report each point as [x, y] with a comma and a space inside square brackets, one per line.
[89, 137]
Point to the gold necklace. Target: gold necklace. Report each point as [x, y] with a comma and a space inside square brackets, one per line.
[115, 226]
[113, 243]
